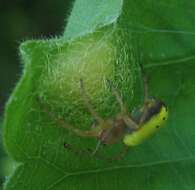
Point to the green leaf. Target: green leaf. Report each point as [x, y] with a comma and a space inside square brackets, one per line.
[105, 39]
[88, 16]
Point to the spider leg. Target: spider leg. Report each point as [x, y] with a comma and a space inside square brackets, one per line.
[76, 150]
[84, 152]
[126, 117]
[88, 152]
[144, 114]
[94, 132]
[99, 143]
[118, 97]
[88, 104]
[131, 124]
[146, 94]
[145, 83]
[121, 154]
[101, 140]
[113, 158]
[116, 157]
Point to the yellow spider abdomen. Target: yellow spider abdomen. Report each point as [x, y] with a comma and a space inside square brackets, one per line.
[147, 129]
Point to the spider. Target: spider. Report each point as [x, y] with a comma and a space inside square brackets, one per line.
[123, 126]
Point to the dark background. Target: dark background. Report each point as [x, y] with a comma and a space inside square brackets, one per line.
[21, 20]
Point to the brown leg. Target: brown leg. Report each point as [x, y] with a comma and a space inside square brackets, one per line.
[146, 95]
[77, 151]
[87, 103]
[113, 158]
[94, 132]
[126, 117]
[118, 97]
[89, 153]
[83, 152]
[121, 154]
[99, 143]
[131, 124]
[145, 83]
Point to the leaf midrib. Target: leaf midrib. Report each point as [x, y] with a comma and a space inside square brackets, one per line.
[106, 169]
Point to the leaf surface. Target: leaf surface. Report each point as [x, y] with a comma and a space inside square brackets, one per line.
[105, 39]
